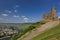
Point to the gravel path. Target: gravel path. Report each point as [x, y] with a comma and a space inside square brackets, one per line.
[45, 27]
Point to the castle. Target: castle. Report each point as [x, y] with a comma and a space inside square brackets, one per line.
[50, 16]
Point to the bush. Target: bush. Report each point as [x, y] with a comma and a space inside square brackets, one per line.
[2, 36]
[43, 22]
[33, 26]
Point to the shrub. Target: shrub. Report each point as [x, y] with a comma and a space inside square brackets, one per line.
[33, 26]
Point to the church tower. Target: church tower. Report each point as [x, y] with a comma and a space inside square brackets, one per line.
[53, 11]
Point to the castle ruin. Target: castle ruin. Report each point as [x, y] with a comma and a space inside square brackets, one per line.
[50, 16]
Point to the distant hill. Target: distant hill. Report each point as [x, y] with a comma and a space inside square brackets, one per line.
[20, 26]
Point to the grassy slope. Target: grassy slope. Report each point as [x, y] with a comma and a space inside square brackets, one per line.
[22, 27]
[51, 34]
[26, 28]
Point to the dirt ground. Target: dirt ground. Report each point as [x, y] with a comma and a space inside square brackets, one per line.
[34, 33]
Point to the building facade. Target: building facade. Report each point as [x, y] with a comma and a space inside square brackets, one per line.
[50, 16]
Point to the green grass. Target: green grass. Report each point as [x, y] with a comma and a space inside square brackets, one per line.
[25, 30]
[49, 35]
[31, 27]
[53, 37]
[24, 26]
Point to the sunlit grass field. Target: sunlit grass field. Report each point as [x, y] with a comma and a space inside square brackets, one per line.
[52, 34]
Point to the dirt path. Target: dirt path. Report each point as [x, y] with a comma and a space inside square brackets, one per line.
[45, 27]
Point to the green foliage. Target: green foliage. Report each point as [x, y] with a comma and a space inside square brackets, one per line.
[48, 33]
[31, 27]
[53, 37]
[2, 35]
[43, 22]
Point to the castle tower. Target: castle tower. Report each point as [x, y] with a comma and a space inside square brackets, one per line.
[53, 11]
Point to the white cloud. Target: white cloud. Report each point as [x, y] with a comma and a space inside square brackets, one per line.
[26, 19]
[15, 16]
[23, 16]
[4, 14]
[15, 11]
[7, 11]
[17, 5]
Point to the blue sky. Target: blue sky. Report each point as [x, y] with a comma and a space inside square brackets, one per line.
[21, 11]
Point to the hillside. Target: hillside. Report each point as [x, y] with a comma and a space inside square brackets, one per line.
[39, 30]
[8, 28]
[18, 26]
[52, 34]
